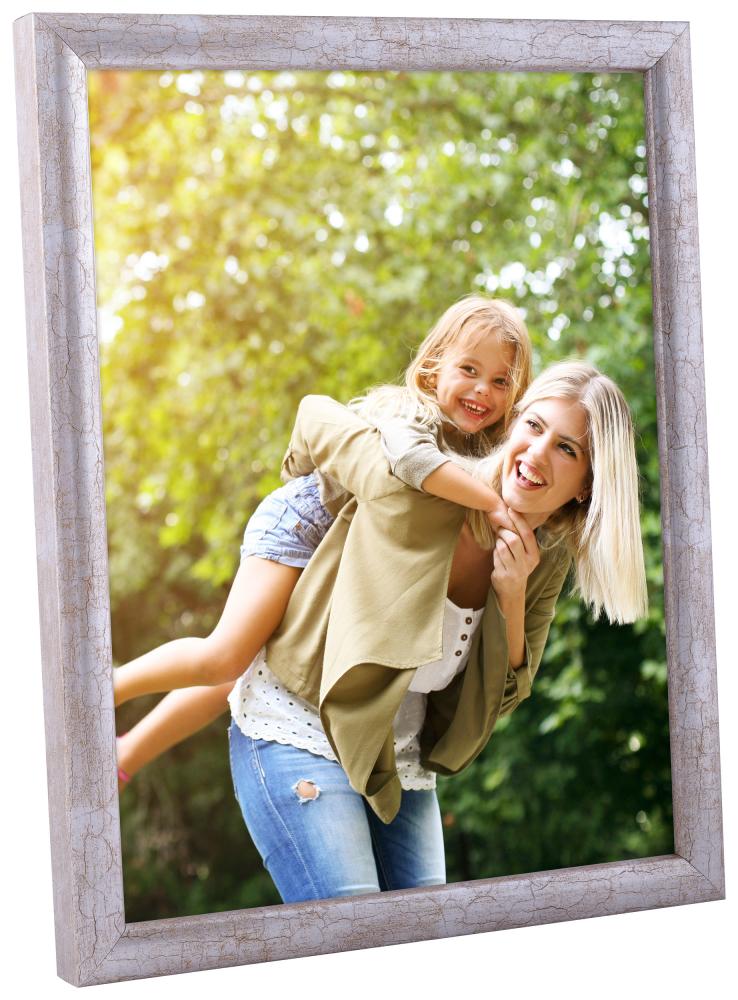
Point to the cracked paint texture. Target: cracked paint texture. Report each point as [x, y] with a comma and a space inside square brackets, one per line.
[53, 54]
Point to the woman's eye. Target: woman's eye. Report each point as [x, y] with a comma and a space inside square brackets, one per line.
[569, 450]
[533, 424]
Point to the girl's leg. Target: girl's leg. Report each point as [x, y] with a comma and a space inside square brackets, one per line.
[176, 717]
[409, 851]
[255, 606]
[306, 821]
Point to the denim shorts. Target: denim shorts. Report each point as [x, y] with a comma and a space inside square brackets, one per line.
[288, 525]
[330, 843]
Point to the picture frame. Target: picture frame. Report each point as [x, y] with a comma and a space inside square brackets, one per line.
[54, 52]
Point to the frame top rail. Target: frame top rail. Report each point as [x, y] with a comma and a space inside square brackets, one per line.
[158, 41]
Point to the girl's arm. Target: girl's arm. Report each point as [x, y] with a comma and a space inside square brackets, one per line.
[331, 437]
[415, 457]
[450, 482]
[174, 719]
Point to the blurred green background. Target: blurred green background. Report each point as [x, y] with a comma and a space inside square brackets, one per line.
[262, 236]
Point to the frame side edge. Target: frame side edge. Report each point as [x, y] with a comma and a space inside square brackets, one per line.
[693, 706]
[24, 37]
[69, 513]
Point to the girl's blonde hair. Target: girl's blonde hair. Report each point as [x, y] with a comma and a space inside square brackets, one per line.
[603, 532]
[470, 319]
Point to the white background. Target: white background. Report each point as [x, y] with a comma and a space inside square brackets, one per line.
[675, 952]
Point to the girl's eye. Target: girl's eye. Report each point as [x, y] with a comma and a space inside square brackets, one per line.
[469, 369]
[502, 383]
[533, 424]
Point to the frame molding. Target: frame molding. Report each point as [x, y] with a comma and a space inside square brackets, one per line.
[53, 53]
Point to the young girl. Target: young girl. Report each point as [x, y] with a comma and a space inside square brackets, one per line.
[459, 394]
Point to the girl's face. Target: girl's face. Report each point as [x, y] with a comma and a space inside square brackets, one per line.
[546, 461]
[473, 383]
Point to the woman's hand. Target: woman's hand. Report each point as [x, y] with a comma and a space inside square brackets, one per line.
[515, 558]
[516, 555]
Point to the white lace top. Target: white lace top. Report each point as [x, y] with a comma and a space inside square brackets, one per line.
[265, 710]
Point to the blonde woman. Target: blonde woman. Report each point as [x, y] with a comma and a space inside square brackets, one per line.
[407, 636]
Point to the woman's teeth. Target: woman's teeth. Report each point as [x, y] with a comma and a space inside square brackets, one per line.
[529, 474]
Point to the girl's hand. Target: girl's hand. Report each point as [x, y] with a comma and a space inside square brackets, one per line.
[499, 517]
[516, 555]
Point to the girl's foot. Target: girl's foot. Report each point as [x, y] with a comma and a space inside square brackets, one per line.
[123, 776]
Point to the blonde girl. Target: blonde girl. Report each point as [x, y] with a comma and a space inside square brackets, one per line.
[458, 396]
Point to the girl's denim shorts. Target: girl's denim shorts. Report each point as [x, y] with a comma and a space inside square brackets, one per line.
[288, 525]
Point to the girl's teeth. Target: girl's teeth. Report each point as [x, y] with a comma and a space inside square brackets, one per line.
[476, 410]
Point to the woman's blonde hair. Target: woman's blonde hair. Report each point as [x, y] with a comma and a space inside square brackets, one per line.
[603, 532]
[472, 318]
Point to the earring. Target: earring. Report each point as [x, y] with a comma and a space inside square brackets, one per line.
[581, 497]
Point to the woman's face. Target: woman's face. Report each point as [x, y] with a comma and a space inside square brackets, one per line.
[546, 460]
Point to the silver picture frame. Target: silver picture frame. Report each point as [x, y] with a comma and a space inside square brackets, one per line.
[53, 54]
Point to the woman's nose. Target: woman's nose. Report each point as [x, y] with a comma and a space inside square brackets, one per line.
[537, 450]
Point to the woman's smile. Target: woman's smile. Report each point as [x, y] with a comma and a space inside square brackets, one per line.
[528, 477]
[546, 457]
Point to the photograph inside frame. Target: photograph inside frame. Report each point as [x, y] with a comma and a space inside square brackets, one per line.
[262, 237]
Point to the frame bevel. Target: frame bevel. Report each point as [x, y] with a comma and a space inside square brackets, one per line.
[53, 54]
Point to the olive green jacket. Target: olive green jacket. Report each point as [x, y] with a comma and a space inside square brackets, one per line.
[368, 609]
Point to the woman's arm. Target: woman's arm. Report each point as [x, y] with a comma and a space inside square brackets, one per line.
[494, 682]
[543, 592]
[516, 556]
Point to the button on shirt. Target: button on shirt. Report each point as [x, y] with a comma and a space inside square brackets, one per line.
[264, 709]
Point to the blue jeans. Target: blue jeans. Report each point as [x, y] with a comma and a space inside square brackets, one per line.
[330, 844]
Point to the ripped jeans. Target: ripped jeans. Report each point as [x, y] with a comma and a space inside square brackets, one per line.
[319, 838]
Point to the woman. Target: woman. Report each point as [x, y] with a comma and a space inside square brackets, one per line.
[366, 635]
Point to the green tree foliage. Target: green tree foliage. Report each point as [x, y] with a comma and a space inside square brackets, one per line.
[261, 236]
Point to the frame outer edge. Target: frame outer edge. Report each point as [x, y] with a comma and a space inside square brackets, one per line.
[241, 937]
[94, 946]
[688, 591]
[158, 41]
[30, 169]
[69, 498]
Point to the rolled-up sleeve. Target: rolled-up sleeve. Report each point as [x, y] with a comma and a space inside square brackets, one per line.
[411, 449]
